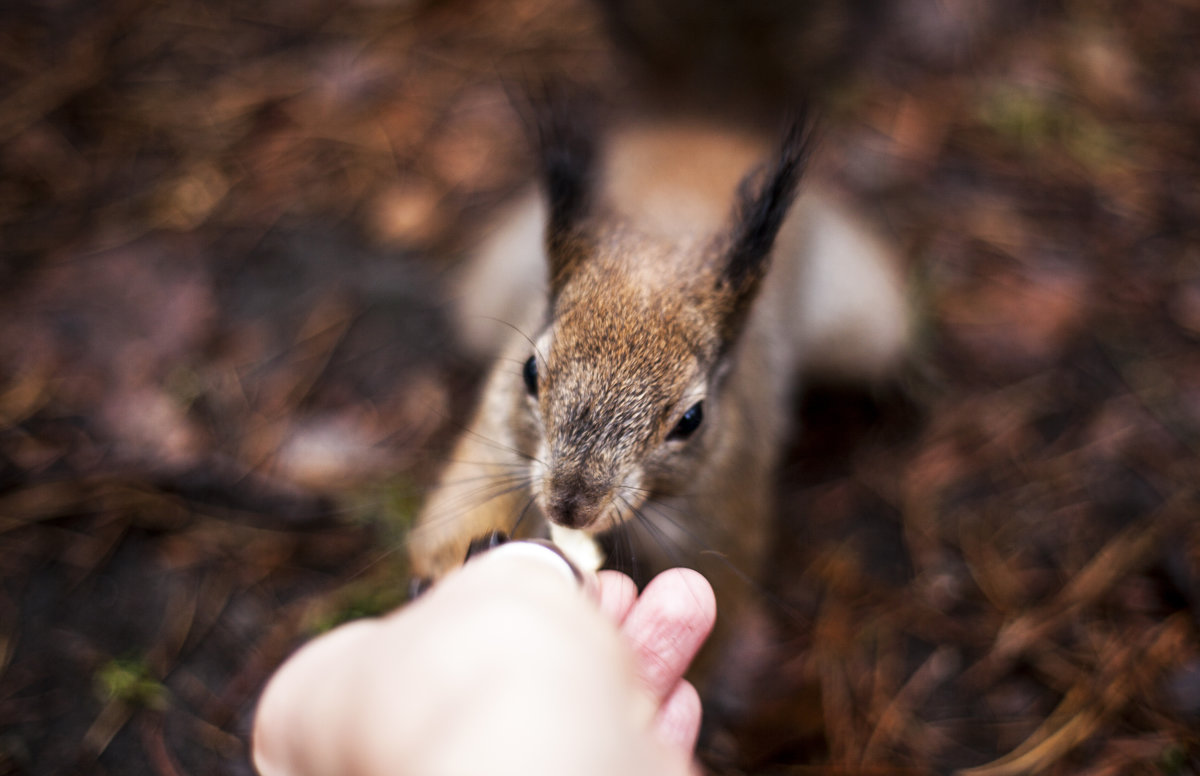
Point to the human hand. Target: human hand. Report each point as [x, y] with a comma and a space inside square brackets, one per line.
[503, 668]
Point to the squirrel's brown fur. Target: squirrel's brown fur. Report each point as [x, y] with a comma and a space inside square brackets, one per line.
[680, 273]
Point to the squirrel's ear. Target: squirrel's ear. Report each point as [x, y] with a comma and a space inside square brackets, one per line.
[764, 198]
[564, 132]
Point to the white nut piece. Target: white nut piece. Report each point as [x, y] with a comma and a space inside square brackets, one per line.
[582, 549]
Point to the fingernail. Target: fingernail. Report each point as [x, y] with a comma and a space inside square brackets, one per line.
[547, 554]
[554, 548]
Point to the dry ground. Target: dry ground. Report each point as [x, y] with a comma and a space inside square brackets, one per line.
[225, 377]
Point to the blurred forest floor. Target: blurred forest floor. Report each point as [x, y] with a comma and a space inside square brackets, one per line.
[225, 375]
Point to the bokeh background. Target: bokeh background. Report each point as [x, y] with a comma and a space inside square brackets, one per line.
[227, 376]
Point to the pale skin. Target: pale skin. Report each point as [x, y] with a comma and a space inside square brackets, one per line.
[508, 666]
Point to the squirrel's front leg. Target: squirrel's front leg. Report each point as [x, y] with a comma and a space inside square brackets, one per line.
[483, 489]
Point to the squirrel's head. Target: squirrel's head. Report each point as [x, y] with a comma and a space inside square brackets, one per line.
[623, 380]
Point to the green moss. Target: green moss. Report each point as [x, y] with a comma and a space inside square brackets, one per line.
[130, 681]
[1038, 121]
[1173, 760]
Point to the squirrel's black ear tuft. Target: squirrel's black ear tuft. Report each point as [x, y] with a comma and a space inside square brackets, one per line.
[562, 124]
[763, 202]
[567, 153]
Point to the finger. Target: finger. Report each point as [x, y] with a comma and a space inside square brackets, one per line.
[296, 726]
[667, 626]
[617, 594]
[678, 721]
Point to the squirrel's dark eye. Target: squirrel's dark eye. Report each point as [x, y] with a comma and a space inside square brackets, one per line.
[688, 423]
[530, 375]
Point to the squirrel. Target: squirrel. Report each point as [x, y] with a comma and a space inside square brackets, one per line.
[666, 289]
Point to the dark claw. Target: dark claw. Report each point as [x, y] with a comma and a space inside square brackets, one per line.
[417, 586]
[486, 542]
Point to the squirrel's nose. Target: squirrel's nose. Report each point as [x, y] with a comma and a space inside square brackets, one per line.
[572, 503]
[568, 510]
[565, 511]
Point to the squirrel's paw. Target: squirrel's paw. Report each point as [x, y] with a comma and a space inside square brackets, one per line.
[480, 544]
